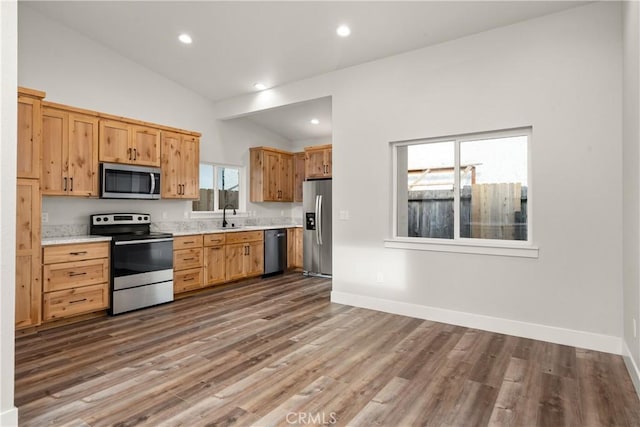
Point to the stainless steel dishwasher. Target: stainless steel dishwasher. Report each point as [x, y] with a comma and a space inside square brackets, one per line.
[275, 251]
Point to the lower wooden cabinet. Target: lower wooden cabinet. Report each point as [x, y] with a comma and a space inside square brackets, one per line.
[214, 259]
[294, 247]
[187, 263]
[28, 287]
[244, 254]
[75, 279]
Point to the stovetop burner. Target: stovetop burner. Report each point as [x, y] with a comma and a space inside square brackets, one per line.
[124, 226]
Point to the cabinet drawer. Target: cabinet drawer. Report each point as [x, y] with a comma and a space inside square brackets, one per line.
[187, 280]
[75, 252]
[70, 302]
[187, 258]
[214, 239]
[186, 242]
[244, 236]
[68, 275]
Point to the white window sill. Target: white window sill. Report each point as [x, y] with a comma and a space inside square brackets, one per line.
[512, 249]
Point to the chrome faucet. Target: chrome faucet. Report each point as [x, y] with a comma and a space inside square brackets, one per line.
[224, 213]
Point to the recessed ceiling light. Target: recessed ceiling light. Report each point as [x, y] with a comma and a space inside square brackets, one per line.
[260, 86]
[185, 38]
[314, 121]
[343, 31]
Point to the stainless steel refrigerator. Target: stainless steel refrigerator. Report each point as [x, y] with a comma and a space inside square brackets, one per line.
[316, 245]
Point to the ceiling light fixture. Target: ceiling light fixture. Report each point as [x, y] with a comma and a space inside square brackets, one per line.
[260, 86]
[185, 38]
[314, 121]
[343, 31]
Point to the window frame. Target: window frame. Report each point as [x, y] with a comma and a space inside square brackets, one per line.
[242, 188]
[516, 248]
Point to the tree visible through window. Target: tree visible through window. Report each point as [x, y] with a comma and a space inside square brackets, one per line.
[473, 186]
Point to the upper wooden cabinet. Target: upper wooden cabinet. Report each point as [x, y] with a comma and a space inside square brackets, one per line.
[298, 176]
[271, 175]
[69, 153]
[122, 142]
[29, 132]
[318, 161]
[180, 166]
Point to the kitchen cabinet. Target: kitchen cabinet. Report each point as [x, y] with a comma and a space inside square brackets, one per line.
[294, 247]
[187, 263]
[271, 175]
[75, 279]
[318, 161]
[122, 142]
[244, 254]
[69, 153]
[28, 286]
[29, 132]
[180, 154]
[214, 259]
[298, 176]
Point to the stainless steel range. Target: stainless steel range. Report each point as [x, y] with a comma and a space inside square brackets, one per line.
[141, 261]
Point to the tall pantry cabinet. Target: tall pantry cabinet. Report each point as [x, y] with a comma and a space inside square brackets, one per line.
[28, 276]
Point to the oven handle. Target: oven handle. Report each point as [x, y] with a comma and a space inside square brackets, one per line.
[135, 242]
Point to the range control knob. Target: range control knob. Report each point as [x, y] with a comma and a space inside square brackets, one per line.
[139, 218]
[98, 219]
[105, 219]
[146, 218]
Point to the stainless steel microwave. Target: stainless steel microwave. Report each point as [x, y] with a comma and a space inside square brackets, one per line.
[129, 182]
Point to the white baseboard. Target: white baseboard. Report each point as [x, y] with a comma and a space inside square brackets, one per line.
[574, 338]
[9, 417]
[634, 373]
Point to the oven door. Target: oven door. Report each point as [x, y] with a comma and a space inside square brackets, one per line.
[141, 262]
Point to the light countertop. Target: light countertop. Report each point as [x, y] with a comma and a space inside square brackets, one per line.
[227, 230]
[49, 241]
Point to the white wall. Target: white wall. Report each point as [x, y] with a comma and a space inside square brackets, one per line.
[560, 74]
[631, 179]
[75, 70]
[8, 134]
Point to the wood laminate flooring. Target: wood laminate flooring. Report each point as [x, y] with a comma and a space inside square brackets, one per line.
[278, 352]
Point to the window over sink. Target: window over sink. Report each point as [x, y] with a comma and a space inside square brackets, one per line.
[220, 186]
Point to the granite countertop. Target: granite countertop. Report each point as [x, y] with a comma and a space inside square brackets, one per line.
[227, 230]
[48, 241]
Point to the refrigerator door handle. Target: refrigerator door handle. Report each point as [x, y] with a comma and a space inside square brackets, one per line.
[317, 229]
[319, 220]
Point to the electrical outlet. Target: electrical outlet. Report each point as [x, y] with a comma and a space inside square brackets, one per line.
[45, 216]
[186, 215]
[380, 277]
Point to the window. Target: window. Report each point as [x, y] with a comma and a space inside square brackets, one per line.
[464, 189]
[220, 186]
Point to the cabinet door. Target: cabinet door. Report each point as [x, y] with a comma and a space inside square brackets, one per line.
[298, 176]
[190, 147]
[83, 155]
[146, 146]
[29, 133]
[114, 144]
[271, 176]
[290, 247]
[235, 261]
[286, 178]
[314, 163]
[328, 160]
[28, 289]
[298, 247]
[171, 165]
[55, 133]
[214, 265]
[254, 260]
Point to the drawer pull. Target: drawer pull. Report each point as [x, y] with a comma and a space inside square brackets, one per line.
[188, 259]
[78, 300]
[78, 253]
[188, 243]
[188, 279]
[71, 273]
